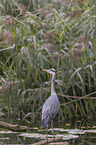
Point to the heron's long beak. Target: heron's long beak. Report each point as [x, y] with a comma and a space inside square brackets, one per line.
[45, 70]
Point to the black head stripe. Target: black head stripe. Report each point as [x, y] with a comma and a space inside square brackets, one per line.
[53, 70]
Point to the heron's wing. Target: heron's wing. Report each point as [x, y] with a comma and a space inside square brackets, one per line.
[45, 111]
[45, 117]
[50, 109]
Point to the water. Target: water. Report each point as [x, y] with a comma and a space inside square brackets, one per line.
[75, 132]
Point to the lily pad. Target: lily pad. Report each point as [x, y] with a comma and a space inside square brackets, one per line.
[75, 131]
[7, 132]
[90, 131]
[33, 135]
[36, 135]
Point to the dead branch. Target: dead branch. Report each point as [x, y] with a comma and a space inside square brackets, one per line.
[48, 141]
[12, 127]
[86, 96]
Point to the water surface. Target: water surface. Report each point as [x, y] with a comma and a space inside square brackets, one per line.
[75, 132]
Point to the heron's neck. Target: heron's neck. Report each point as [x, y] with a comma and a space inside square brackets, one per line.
[52, 84]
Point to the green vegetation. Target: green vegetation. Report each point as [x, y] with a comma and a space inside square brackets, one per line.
[42, 34]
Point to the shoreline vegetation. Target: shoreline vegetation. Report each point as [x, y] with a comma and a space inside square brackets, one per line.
[43, 34]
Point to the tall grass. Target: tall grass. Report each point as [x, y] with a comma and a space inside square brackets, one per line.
[37, 35]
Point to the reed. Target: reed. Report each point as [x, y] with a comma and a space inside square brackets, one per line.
[37, 35]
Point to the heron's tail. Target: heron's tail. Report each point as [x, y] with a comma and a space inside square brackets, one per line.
[43, 124]
[45, 121]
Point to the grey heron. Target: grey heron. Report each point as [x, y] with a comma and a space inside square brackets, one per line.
[51, 105]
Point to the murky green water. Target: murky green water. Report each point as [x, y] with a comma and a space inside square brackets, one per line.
[75, 132]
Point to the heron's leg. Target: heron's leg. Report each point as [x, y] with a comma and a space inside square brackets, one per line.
[52, 128]
[46, 131]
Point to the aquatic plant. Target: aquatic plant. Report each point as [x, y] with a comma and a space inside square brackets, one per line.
[43, 34]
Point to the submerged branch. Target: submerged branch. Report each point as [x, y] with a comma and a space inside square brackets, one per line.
[12, 127]
[48, 141]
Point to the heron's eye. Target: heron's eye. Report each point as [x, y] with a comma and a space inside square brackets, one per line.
[53, 70]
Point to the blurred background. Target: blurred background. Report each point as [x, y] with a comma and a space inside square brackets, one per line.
[37, 34]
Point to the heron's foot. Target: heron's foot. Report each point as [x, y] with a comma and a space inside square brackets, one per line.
[53, 137]
[53, 134]
[47, 140]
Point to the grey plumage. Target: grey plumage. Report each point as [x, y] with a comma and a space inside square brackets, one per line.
[51, 105]
[50, 109]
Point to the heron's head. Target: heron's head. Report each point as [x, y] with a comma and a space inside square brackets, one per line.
[51, 71]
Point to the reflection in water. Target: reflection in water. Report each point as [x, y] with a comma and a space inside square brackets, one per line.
[75, 132]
